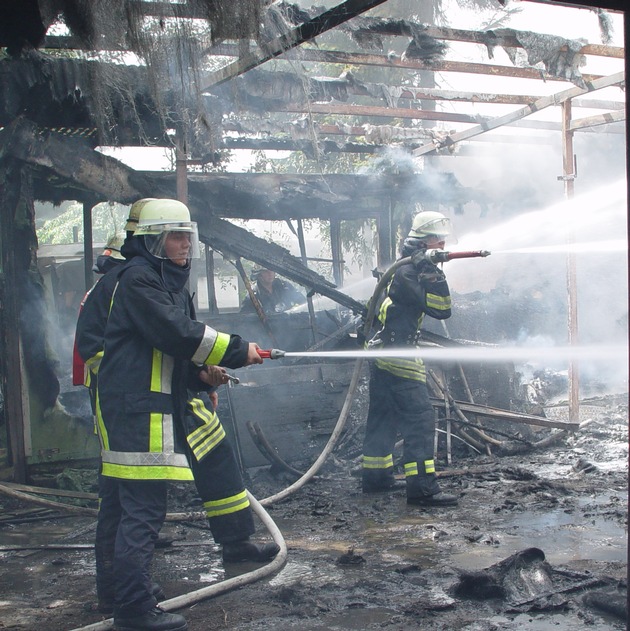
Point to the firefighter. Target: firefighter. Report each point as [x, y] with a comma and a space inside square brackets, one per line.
[154, 355]
[110, 256]
[88, 352]
[399, 397]
[275, 295]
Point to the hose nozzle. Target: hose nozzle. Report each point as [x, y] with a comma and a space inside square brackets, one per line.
[273, 353]
[440, 256]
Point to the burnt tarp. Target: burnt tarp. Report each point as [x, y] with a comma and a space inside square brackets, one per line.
[560, 57]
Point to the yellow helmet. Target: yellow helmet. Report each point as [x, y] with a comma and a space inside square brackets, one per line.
[430, 223]
[160, 217]
[134, 213]
[113, 246]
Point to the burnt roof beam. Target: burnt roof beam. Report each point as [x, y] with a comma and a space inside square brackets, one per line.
[300, 34]
[555, 99]
[365, 59]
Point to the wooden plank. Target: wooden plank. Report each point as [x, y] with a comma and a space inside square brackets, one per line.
[600, 119]
[541, 104]
[506, 415]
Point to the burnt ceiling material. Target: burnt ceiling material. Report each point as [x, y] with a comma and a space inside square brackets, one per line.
[142, 104]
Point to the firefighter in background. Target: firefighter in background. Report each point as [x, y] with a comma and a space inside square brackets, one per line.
[275, 295]
[111, 255]
[152, 430]
[399, 397]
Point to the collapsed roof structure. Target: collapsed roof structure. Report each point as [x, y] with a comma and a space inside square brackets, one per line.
[78, 75]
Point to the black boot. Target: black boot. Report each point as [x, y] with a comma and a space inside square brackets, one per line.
[155, 619]
[245, 550]
[379, 481]
[438, 499]
[106, 603]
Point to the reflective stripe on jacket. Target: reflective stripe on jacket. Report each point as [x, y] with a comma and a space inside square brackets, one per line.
[413, 292]
[153, 348]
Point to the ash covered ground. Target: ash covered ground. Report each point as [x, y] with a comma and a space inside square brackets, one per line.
[537, 542]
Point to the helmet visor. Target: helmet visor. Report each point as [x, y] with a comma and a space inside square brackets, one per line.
[177, 242]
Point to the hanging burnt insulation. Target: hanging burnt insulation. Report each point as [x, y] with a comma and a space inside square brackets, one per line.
[369, 33]
[560, 57]
[163, 85]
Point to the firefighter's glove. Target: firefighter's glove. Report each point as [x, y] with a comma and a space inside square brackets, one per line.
[419, 257]
[429, 278]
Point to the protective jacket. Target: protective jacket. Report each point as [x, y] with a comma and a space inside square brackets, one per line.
[416, 290]
[153, 351]
[92, 321]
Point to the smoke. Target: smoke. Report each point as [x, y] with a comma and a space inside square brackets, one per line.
[524, 281]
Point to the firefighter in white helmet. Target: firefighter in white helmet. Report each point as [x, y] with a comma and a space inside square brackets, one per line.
[399, 398]
[156, 412]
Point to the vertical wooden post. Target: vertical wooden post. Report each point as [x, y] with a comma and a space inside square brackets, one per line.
[11, 365]
[181, 179]
[309, 299]
[88, 250]
[213, 308]
[385, 240]
[568, 177]
[335, 246]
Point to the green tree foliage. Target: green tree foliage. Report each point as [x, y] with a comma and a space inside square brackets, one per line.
[107, 219]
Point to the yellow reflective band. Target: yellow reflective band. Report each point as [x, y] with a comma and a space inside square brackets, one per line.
[382, 314]
[200, 410]
[378, 462]
[441, 303]
[138, 472]
[429, 466]
[228, 505]
[94, 363]
[156, 371]
[411, 468]
[156, 438]
[218, 350]
[404, 368]
[100, 425]
[204, 448]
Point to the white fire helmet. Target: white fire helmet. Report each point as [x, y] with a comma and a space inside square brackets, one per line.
[430, 223]
[134, 213]
[113, 246]
[160, 217]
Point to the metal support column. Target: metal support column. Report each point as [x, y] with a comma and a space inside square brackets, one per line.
[568, 177]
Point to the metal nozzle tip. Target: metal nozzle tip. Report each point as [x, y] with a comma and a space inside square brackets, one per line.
[485, 253]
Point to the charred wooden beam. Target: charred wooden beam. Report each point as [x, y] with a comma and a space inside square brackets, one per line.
[506, 415]
[300, 34]
[499, 38]
[594, 121]
[548, 101]
[506, 38]
[386, 61]
[76, 161]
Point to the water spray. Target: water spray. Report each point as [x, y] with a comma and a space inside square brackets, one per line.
[529, 354]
